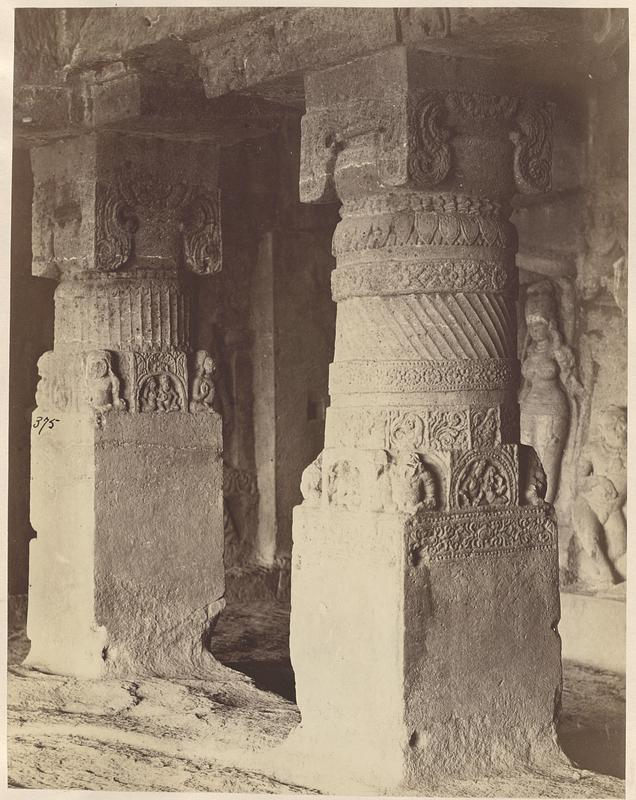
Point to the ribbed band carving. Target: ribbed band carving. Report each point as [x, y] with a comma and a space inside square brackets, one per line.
[349, 377]
[404, 221]
[431, 275]
[426, 326]
[122, 313]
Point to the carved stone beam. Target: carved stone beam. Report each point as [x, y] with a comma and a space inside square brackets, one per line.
[423, 537]
[271, 53]
[126, 572]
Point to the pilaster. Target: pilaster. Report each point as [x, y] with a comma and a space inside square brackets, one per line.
[425, 565]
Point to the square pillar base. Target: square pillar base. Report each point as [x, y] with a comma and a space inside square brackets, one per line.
[126, 572]
[424, 646]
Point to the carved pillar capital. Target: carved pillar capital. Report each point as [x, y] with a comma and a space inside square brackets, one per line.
[421, 121]
[112, 202]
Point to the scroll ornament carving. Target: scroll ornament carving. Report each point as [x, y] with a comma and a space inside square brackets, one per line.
[411, 429]
[449, 429]
[533, 147]
[484, 427]
[421, 376]
[429, 156]
[202, 234]
[469, 534]
[311, 482]
[114, 230]
[202, 393]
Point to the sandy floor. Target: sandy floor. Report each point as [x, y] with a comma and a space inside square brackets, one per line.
[216, 735]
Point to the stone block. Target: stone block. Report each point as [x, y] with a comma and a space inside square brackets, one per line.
[426, 647]
[128, 510]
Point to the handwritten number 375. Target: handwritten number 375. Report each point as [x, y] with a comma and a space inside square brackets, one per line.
[44, 422]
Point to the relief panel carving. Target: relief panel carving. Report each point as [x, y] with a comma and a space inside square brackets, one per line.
[446, 536]
[484, 478]
[160, 381]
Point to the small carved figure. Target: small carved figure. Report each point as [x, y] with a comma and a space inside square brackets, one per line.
[412, 483]
[381, 492]
[482, 485]
[598, 514]
[311, 482]
[203, 383]
[550, 394]
[167, 395]
[46, 390]
[344, 485]
[149, 394]
[606, 238]
[102, 385]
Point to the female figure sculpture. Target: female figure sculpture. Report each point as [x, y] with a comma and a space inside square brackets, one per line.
[550, 390]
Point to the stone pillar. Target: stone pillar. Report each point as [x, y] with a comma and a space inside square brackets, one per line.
[126, 572]
[425, 571]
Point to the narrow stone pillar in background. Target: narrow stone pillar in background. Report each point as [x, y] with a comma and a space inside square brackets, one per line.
[126, 572]
[425, 571]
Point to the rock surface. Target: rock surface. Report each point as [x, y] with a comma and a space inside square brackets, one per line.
[218, 735]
